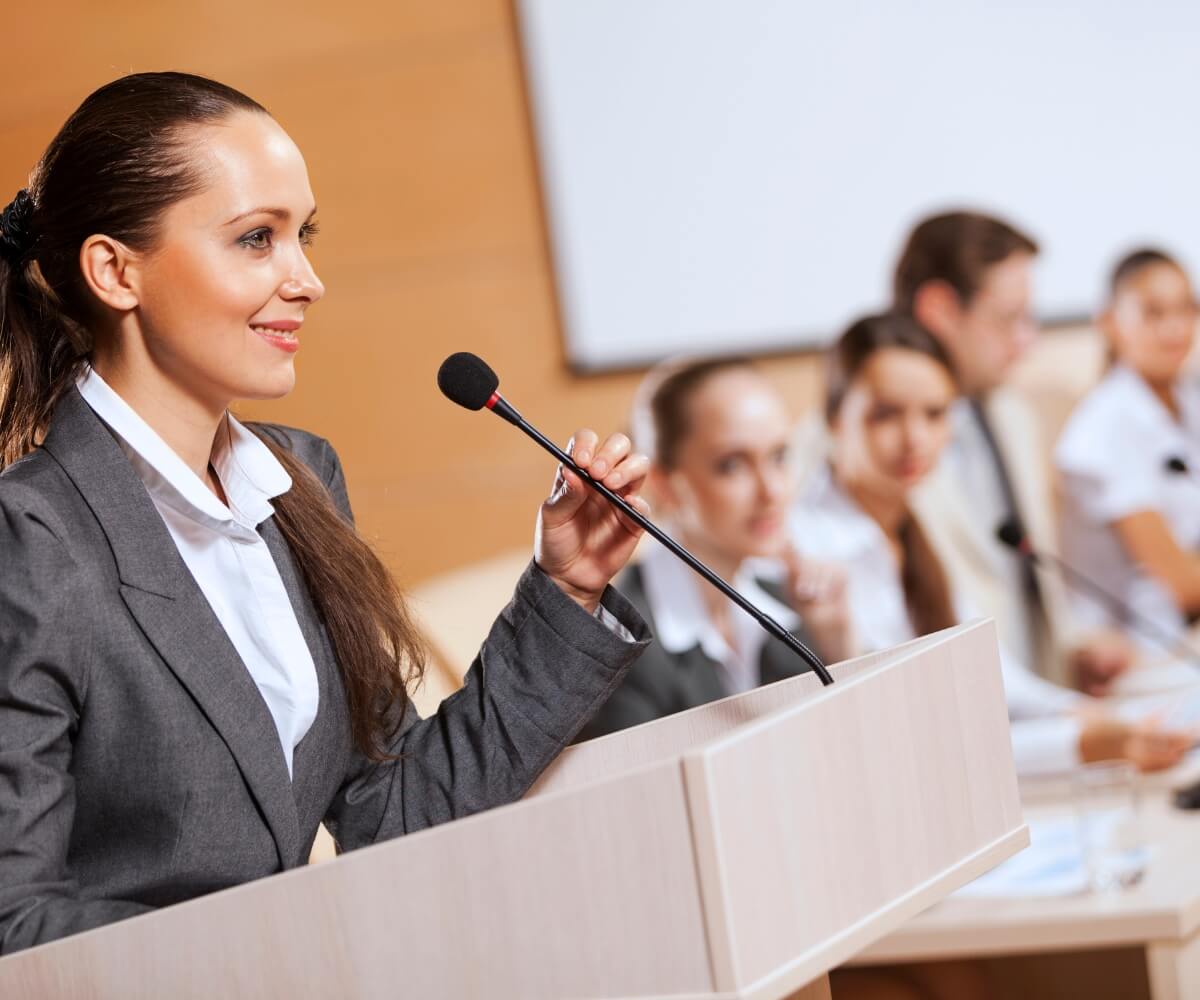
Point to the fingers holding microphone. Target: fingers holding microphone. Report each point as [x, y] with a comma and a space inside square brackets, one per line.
[582, 541]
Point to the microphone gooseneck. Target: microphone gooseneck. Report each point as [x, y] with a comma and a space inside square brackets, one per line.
[1010, 533]
[467, 380]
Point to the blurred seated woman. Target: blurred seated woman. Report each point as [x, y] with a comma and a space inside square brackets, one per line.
[889, 388]
[1129, 457]
[717, 434]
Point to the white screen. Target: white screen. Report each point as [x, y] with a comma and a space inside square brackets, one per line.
[739, 175]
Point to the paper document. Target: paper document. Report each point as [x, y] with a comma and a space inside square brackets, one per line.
[1052, 865]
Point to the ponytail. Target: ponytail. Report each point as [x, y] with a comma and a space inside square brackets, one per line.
[39, 358]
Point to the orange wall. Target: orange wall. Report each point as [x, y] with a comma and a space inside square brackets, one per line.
[413, 118]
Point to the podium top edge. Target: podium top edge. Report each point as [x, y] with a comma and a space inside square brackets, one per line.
[902, 654]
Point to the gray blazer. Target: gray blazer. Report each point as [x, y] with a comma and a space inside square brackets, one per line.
[139, 765]
[663, 683]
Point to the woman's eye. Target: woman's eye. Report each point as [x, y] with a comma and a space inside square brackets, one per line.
[259, 239]
[728, 466]
[308, 231]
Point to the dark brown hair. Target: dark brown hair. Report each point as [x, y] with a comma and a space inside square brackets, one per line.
[862, 340]
[669, 400]
[957, 248]
[118, 163]
[926, 589]
[1134, 263]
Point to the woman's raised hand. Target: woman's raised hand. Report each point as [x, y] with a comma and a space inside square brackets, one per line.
[818, 591]
[582, 540]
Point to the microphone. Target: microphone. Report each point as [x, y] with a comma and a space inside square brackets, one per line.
[467, 380]
[1010, 533]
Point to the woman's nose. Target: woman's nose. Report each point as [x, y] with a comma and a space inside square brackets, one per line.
[772, 484]
[916, 433]
[303, 283]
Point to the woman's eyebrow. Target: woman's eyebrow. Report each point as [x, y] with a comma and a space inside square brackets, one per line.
[279, 213]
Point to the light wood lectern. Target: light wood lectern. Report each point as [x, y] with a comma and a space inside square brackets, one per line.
[741, 849]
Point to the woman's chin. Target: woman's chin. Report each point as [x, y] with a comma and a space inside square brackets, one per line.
[769, 546]
[274, 386]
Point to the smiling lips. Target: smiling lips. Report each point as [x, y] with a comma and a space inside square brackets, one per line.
[280, 333]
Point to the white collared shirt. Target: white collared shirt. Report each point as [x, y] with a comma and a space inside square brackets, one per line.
[827, 524]
[222, 548]
[681, 620]
[1113, 458]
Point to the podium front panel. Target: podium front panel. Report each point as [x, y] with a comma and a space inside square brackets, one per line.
[821, 817]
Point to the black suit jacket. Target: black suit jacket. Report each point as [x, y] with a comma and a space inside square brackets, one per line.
[662, 683]
[139, 765]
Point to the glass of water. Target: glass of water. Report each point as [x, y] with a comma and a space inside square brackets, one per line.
[1108, 805]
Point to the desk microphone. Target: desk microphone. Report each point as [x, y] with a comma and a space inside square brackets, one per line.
[468, 381]
[1010, 533]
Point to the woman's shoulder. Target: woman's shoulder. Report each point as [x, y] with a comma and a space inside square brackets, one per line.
[1111, 414]
[36, 487]
[38, 507]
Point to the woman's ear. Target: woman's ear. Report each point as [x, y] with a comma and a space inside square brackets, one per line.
[110, 271]
[1106, 323]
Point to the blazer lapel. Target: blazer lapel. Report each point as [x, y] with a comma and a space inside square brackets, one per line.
[173, 612]
[945, 511]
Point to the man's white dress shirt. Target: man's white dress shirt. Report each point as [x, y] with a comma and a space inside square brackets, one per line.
[970, 462]
[222, 548]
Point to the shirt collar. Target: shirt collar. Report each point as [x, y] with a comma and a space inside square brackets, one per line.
[681, 620]
[250, 475]
[1143, 399]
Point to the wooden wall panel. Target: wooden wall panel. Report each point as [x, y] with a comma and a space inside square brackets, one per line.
[415, 126]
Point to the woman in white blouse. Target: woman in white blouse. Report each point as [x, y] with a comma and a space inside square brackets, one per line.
[1129, 459]
[889, 389]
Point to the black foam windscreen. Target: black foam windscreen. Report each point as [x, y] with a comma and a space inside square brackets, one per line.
[1010, 533]
[467, 380]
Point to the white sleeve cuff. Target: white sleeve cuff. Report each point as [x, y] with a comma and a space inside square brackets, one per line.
[1045, 746]
[612, 623]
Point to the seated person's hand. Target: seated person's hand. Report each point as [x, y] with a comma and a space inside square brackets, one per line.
[1146, 743]
[582, 540]
[818, 592]
[1099, 660]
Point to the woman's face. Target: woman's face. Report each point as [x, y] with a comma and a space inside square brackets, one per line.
[731, 484]
[1152, 321]
[893, 422]
[222, 296]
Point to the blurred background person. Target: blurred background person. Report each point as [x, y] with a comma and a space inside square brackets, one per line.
[1130, 454]
[967, 278]
[889, 395]
[718, 438]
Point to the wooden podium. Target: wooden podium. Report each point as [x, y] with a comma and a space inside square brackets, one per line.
[741, 849]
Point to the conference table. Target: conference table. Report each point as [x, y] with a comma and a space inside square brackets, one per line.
[1142, 941]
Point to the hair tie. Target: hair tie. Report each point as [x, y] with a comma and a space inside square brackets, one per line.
[16, 236]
